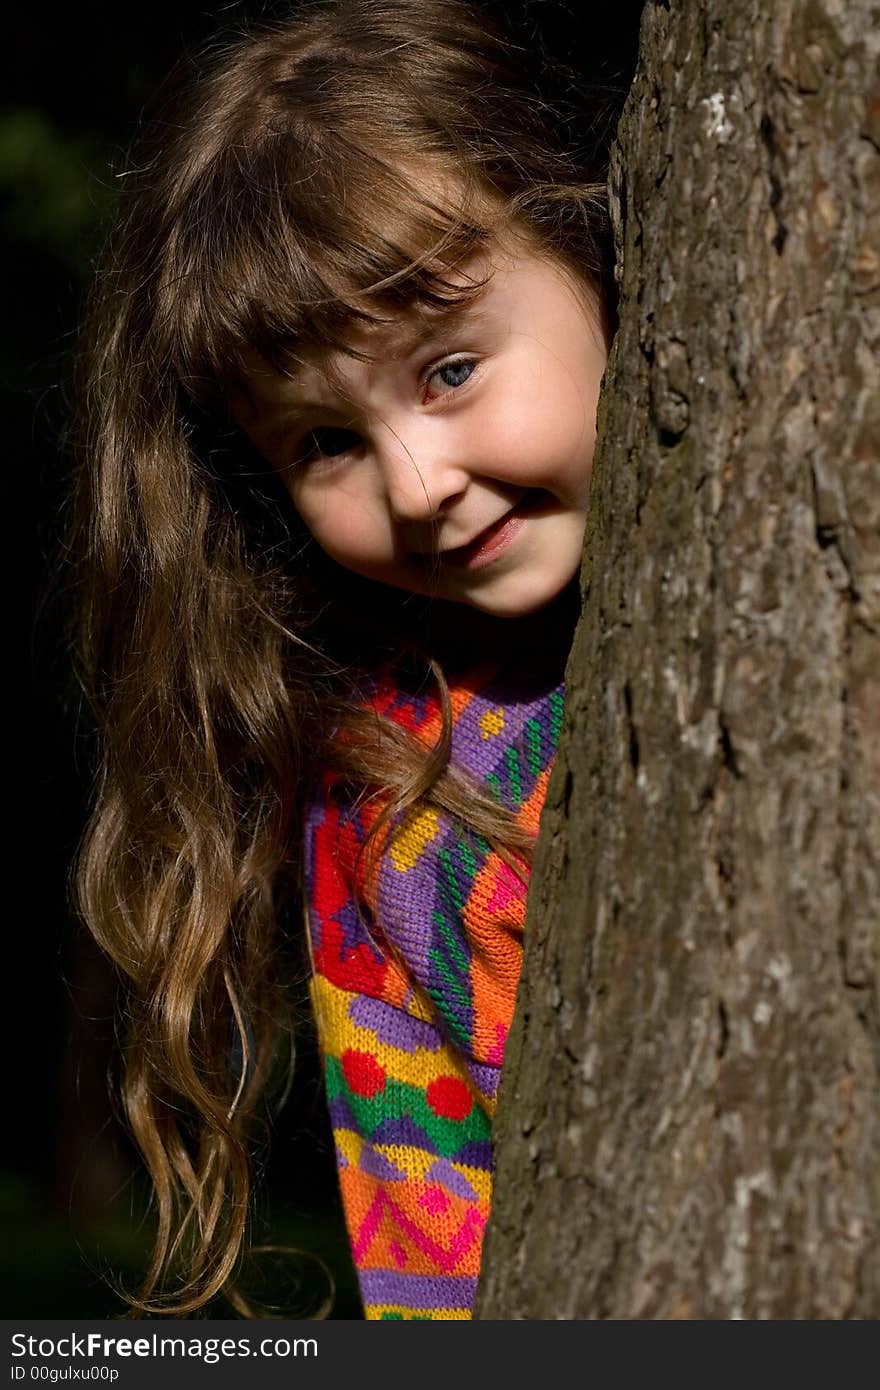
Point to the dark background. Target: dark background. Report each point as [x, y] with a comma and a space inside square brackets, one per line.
[74, 1202]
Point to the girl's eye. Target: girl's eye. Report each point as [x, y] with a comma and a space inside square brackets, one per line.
[326, 442]
[453, 374]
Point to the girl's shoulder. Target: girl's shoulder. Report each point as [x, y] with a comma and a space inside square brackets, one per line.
[489, 701]
[505, 728]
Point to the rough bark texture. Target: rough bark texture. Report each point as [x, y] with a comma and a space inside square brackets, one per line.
[690, 1113]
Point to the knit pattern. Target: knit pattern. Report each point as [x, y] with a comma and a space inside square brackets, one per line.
[416, 965]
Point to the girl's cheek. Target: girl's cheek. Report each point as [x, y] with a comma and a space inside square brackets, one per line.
[503, 436]
[544, 439]
[347, 522]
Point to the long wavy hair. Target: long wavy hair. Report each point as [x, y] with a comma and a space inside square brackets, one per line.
[280, 201]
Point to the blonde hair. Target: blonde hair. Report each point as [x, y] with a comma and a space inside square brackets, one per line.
[277, 204]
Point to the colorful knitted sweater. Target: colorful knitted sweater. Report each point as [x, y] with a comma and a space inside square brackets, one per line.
[413, 1036]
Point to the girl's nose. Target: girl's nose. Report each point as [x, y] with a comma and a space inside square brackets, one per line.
[420, 479]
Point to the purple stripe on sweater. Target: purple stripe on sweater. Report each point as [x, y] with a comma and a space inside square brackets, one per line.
[316, 814]
[442, 1172]
[472, 749]
[378, 1166]
[483, 751]
[355, 931]
[418, 1290]
[477, 1153]
[402, 1129]
[407, 900]
[341, 1114]
[393, 1026]
[485, 1076]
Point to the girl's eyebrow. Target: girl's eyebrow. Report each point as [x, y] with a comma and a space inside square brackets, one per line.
[396, 341]
[407, 339]
[441, 321]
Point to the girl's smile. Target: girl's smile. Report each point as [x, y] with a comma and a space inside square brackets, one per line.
[489, 543]
[458, 464]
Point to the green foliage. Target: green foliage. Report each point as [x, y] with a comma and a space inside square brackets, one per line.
[53, 196]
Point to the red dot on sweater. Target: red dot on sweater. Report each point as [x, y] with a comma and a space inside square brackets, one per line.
[449, 1097]
[362, 1072]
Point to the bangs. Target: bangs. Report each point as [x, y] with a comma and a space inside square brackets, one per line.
[309, 254]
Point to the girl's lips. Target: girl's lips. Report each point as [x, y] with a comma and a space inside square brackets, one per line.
[490, 542]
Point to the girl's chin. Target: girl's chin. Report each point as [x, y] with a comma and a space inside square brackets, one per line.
[520, 595]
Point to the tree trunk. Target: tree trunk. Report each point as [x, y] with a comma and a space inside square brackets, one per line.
[689, 1123]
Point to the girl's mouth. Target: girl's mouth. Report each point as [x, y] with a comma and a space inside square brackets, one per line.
[491, 542]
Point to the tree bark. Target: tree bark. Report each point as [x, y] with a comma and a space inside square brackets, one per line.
[689, 1124]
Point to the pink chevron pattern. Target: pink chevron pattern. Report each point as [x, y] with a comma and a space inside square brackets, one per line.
[444, 1259]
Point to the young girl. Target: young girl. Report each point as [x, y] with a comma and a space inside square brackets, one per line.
[342, 374]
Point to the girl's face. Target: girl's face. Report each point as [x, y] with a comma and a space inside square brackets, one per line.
[457, 462]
